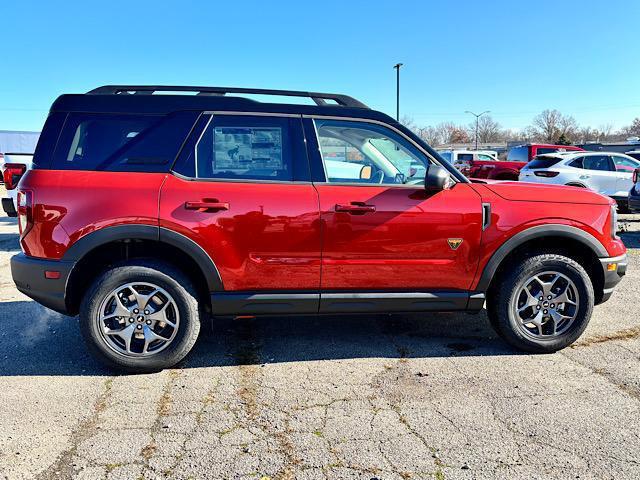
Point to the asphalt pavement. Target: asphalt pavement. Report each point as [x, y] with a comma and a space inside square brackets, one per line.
[364, 397]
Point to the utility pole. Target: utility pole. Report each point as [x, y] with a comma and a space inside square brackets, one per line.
[397, 67]
[477, 115]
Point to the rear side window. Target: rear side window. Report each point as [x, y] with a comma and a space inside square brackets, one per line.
[577, 163]
[142, 143]
[518, 154]
[245, 147]
[543, 162]
[465, 157]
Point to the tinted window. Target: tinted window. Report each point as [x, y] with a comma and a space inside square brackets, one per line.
[145, 143]
[597, 162]
[623, 164]
[543, 150]
[465, 157]
[245, 147]
[518, 154]
[543, 162]
[358, 152]
[577, 163]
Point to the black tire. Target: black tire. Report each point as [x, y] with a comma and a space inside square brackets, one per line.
[174, 282]
[508, 326]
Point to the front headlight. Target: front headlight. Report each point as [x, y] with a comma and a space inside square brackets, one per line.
[614, 222]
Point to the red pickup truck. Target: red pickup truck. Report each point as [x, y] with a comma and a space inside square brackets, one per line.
[478, 167]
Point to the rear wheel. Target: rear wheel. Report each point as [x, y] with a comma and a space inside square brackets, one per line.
[542, 305]
[140, 316]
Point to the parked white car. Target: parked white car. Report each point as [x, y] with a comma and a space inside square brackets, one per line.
[12, 167]
[459, 157]
[608, 173]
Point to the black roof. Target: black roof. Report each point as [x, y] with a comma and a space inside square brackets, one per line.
[140, 99]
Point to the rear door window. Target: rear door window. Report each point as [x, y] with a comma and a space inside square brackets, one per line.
[598, 162]
[121, 142]
[249, 148]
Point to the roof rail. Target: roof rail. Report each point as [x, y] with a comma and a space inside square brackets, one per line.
[318, 98]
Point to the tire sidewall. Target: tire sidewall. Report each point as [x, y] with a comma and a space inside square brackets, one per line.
[171, 281]
[528, 269]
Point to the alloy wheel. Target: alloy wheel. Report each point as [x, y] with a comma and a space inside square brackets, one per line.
[546, 305]
[138, 319]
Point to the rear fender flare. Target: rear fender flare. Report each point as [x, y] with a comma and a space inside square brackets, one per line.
[148, 232]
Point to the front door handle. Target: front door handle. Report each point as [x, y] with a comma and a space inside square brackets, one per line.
[355, 208]
[207, 206]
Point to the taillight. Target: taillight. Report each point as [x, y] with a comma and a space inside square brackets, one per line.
[546, 173]
[12, 174]
[25, 211]
[636, 174]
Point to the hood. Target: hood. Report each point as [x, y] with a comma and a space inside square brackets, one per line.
[537, 192]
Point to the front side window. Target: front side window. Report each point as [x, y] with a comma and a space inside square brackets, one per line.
[625, 165]
[245, 147]
[358, 152]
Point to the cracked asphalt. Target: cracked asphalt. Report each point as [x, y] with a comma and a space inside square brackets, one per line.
[384, 397]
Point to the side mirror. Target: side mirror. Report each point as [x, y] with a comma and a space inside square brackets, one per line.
[436, 179]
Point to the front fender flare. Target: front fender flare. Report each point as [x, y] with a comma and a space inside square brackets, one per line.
[555, 230]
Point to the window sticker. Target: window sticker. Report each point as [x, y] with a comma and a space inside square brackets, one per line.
[242, 148]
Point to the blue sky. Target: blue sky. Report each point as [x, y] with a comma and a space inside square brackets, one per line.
[513, 58]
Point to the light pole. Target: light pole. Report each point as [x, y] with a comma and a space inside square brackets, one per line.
[397, 67]
[477, 115]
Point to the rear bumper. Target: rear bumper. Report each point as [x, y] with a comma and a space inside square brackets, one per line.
[29, 276]
[8, 207]
[614, 269]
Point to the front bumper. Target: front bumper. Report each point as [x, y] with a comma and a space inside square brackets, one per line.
[8, 207]
[634, 201]
[29, 276]
[614, 269]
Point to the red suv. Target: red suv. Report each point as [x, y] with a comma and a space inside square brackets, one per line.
[145, 213]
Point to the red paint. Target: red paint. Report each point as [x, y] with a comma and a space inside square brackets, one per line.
[403, 243]
[70, 204]
[494, 170]
[267, 236]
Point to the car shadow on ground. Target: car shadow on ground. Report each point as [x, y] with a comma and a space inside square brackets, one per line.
[38, 341]
[9, 242]
[630, 239]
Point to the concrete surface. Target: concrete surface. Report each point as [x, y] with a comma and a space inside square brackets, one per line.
[386, 397]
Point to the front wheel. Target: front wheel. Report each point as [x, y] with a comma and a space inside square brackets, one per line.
[542, 305]
[140, 316]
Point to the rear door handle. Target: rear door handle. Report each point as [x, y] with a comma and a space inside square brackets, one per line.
[355, 208]
[207, 206]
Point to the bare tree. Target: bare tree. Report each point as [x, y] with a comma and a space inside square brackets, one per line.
[488, 129]
[551, 125]
[633, 129]
[430, 135]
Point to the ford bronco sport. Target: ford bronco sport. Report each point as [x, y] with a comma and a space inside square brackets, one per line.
[144, 213]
